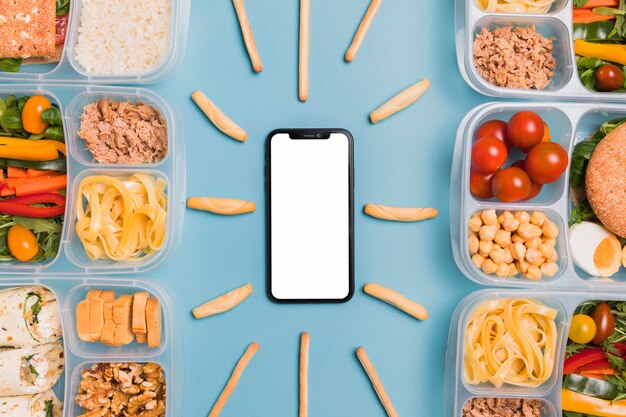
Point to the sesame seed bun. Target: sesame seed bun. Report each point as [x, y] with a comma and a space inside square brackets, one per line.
[605, 181]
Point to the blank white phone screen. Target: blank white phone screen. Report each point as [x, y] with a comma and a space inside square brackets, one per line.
[310, 217]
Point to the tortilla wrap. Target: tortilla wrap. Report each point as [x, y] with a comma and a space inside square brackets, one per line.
[30, 370]
[31, 405]
[29, 316]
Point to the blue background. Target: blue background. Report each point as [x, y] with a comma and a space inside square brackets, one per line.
[404, 161]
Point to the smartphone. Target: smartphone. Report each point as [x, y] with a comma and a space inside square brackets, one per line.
[309, 176]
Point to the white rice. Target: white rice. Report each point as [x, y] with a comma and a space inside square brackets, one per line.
[123, 36]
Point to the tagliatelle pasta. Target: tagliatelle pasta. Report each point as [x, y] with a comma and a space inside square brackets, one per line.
[515, 6]
[123, 219]
[510, 341]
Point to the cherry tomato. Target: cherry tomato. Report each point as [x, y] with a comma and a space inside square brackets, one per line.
[546, 133]
[22, 243]
[525, 129]
[546, 162]
[489, 154]
[605, 323]
[510, 184]
[535, 188]
[609, 77]
[495, 128]
[31, 114]
[480, 184]
[582, 329]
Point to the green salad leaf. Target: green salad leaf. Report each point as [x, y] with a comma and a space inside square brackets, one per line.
[580, 3]
[52, 116]
[49, 409]
[582, 212]
[11, 119]
[10, 64]
[62, 7]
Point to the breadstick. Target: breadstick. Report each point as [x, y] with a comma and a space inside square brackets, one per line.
[248, 38]
[397, 300]
[304, 375]
[400, 101]
[217, 205]
[399, 214]
[303, 64]
[219, 119]
[378, 386]
[223, 303]
[234, 379]
[364, 26]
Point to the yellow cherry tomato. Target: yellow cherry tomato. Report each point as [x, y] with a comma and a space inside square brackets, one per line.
[22, 243]
[31, 114]
[582, 329]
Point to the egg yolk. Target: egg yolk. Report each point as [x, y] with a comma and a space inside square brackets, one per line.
[608, 256]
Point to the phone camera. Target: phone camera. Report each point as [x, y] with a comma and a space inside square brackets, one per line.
[318, 136]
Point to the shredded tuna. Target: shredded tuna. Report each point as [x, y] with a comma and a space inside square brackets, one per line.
[501, 407]
[123, 132]
[517, 57]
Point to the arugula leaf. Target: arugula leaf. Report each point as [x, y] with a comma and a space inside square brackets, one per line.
[580, 3]
[582, 212]
[10, 64]
[38, 225]
[32, 370]
[62, 7]
[35, 308]
[573, 348]
[49, 409]
[608, 11]
[613, 355]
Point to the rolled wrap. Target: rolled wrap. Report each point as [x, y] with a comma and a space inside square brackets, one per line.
[30, 370]
[29, 316]
[31, 406]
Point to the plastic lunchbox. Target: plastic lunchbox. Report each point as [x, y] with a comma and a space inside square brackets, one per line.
[469, 21]
[71, 259]
[569, 124]
[69, 70]
[81, 355]
[458, 391]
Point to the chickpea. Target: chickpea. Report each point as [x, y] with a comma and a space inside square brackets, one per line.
[503, 238]
[527, 230]
[550, 229]
[522, 266]
[489, 217]
[550, 241]
[533, 243]
[497, 255]
[510, 224]
[518, 250]
[472, 243]
[512, 270]
[503, 271]
[533, 255]
[508, 257]
[538, 218]
[533, 273]
[489, 266]
[505, 215]
[475, 223]
[517, 238]
[487, 233]
[478, 260]
[549, 269]
[522, 216]
[485, 247]
[547, 251]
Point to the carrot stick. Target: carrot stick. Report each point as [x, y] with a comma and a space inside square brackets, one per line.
[14, 172]
[601, 3]
[588, 16]
[7, 192]
[48, 184]
[32, 172]
[14, 182]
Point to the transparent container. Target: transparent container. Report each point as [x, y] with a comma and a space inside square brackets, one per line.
[457, 391]
[469, 21]
[80, 355]
[569, 124]
[71, 258]
[68, 70]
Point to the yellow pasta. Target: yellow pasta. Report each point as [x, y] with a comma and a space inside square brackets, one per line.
[510, 341]
[123, 219]
[515, 6]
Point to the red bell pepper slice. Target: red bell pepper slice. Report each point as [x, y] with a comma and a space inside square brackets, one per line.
[21, 206]
[582, 358]
[600, 366]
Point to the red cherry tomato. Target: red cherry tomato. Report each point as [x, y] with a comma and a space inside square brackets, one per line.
[535, 188]
[480, 184]
[546, 162]
[489, 154]
[609, 77]
[525, 129]
[510, 184]
[495, 128]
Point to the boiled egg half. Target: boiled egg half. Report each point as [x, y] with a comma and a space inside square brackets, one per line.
[594, 249]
